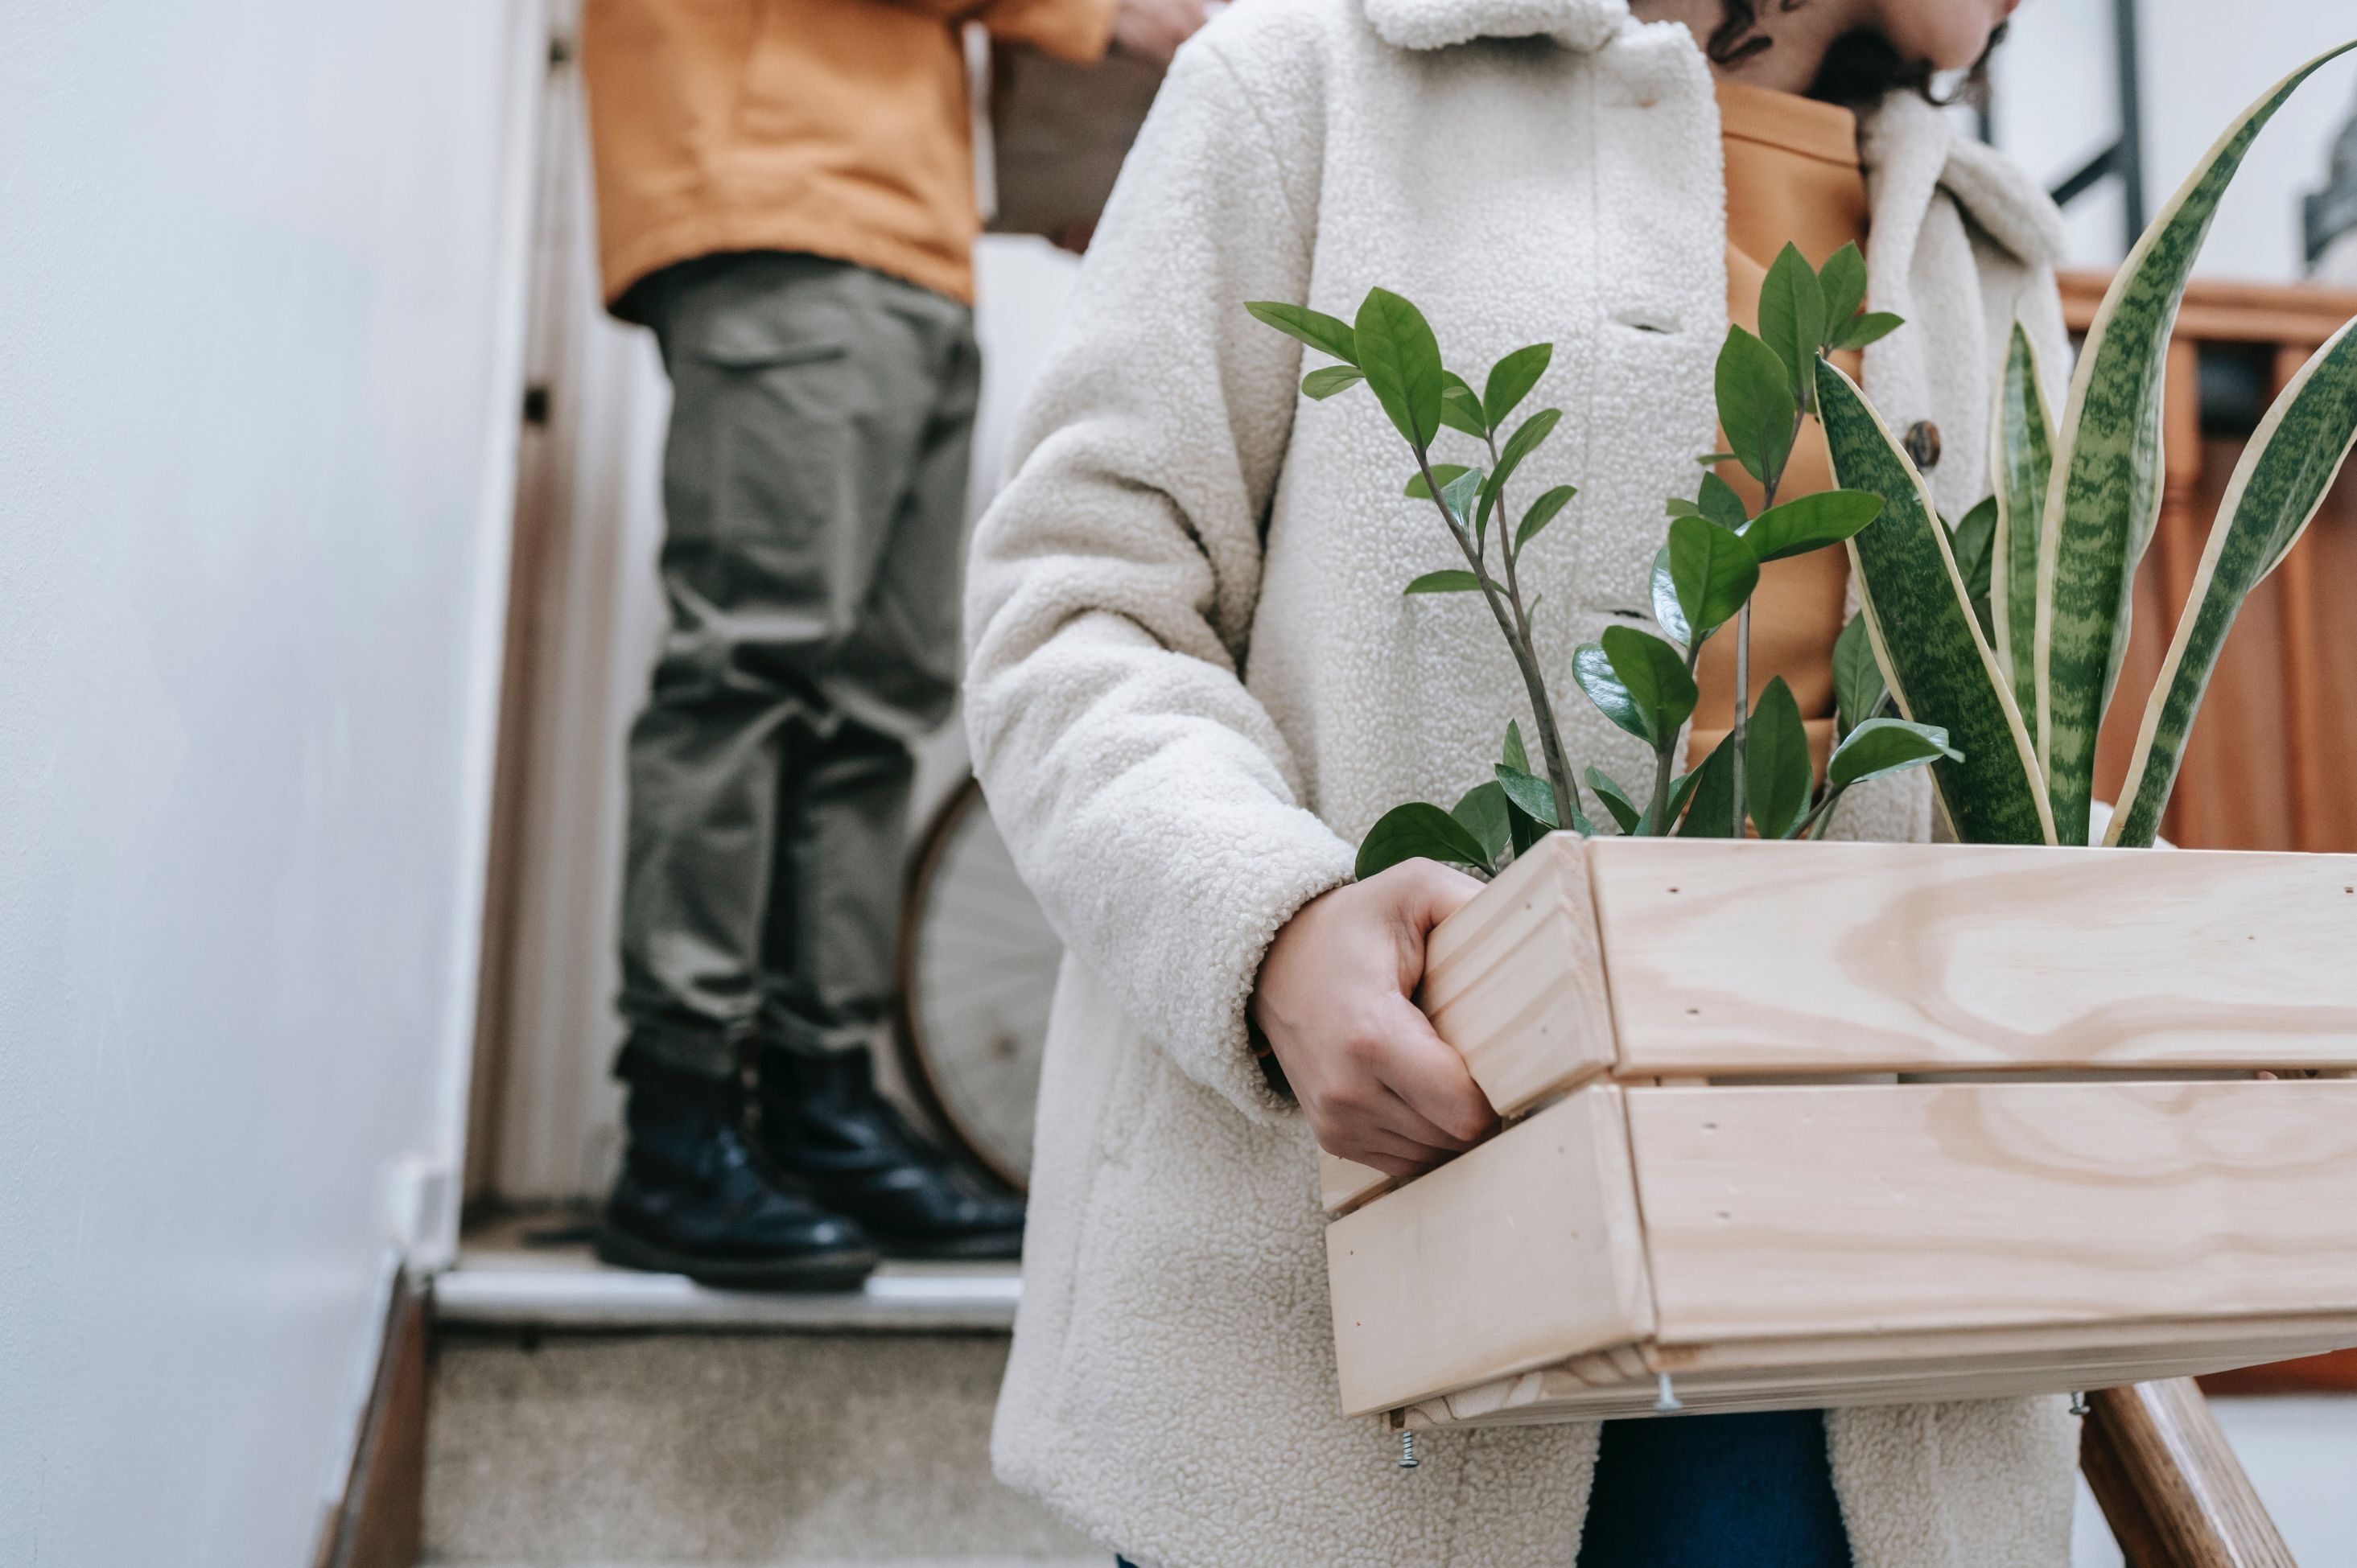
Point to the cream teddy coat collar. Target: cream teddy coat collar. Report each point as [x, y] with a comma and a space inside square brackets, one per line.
[1193, 683]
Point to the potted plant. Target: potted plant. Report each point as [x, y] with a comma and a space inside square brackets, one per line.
[2153, 1169]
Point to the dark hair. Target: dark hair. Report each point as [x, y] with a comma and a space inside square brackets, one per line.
[1860, 67]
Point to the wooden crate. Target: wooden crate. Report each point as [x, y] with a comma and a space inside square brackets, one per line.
[1811, 1125]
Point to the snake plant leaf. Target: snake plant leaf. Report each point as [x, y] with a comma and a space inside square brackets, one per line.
[1722, 505]
[1625, 812]
[1455, 580]
[1755, 405]
[1402, 359]
[2022, 464]
[2276, 488]
[1886, 746]
[1418, 830]
[1511, 380]
[1482, 813]
[1858, 690]
[1843, 281]
[2106, 493]
[1939, 669]
[1793, 317]
[1324, 333]
[1542, 513]
[1712, 572]
[1667, 609]
[1445, 472]
[1777, 773]
[1972, 542]
[1460, 406]
[1810, 522]
[1712, 813]
[1324, 383]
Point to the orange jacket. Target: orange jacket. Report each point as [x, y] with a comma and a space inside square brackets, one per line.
[837, 127]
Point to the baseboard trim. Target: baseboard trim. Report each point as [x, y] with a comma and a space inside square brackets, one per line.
[379, 1521]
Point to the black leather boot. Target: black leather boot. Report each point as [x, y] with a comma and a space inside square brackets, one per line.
[693, 1199]
[819, 1120]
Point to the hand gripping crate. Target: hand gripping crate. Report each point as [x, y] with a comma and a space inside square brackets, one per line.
[1795, 1125]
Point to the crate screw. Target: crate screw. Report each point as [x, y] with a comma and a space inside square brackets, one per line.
[1669, 1400]
[2079, 1402]
[1407, 1460]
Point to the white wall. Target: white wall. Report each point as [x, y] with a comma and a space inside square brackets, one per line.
[258, 323]
[2201, 63]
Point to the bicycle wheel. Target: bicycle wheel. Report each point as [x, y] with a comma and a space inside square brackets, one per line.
[976, 970]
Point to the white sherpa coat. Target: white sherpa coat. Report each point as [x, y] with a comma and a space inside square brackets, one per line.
[1194, 683]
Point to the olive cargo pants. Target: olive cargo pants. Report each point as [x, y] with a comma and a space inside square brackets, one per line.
[814, 488]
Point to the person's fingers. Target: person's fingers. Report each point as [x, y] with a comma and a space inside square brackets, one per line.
[1425, 1072]
[1397, 1116]
[1419, 895]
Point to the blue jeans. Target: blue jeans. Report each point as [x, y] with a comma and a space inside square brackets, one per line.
[1714, 1491]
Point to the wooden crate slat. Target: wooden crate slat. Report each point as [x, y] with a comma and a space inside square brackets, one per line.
[1736, 958]
[1515, 980]
[1523, 1252]
[1875, 1210]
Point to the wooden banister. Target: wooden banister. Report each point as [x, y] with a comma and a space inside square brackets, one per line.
[2171, 1486]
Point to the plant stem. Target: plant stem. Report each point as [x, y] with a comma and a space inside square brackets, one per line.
[1657, 814]
[1768, 487]
[1507, 608]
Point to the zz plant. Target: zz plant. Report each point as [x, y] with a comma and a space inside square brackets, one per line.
[1998, 641]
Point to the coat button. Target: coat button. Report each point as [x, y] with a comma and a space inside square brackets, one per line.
[1923, 444]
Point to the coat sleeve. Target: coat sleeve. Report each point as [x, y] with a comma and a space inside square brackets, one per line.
[1147, 797]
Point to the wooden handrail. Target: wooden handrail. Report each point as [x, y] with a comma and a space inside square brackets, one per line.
[2171, 1486]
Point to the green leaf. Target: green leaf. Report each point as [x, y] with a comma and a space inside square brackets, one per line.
[1455, 581]
[1519, 445]
[1681, 787]
[1969, 541]
[1418, 832]
[1871, 327]
[1793, 317]
[1320, 331]
[1529, 793]
[1542, 513]
[1713, 459]
[1843, 280]
[1810, 522]
[1777, 775]
[1678, 506]
[1624, 810]
[1512, 754]
[1324, 383]
[1591, 667]
[1483, 813]
[2023, 434]
[1925, 636]
[2280, 481]
[1445, 472]
[1402, 360]
[1712, 813]
[1667, 609]
[2101, 510]
[1653, 675]
[1712, 572]
[1722, 505]
[1857, 679]
[1755, 405]
[1511, 380]
[1886, 746]
[1457, 494]
[1460, 409]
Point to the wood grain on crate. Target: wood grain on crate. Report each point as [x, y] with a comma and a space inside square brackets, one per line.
[1874, 1210]
[1736, 958]
[1521, 1253]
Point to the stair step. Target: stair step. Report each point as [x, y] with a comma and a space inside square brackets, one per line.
[586, 1417]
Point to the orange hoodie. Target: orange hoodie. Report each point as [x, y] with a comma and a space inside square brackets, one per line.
[837, 127]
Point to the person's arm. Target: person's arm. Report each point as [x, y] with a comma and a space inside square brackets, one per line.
[1148, 798]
